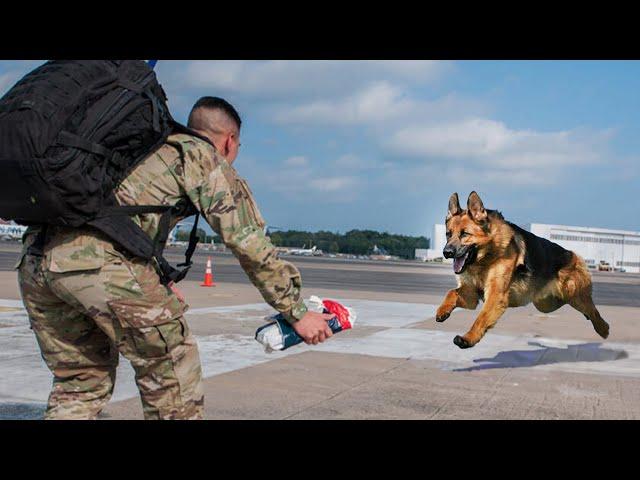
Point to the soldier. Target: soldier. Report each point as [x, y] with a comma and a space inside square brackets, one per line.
[89, 300]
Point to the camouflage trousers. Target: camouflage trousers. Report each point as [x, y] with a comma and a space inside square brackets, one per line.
[87, 303]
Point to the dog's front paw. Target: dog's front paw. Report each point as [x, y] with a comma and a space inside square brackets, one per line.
[461, 342]
[442, 316]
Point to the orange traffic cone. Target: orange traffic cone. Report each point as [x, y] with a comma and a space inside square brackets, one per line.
[208, 276]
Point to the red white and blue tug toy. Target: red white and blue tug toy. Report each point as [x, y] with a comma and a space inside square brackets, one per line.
[280, 335]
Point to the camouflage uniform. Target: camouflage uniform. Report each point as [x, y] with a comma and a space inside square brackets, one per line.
[89, 300]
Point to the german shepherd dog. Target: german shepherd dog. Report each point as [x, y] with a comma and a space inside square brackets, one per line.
[505, 266]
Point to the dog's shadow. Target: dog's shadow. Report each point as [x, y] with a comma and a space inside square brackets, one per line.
[585, 352]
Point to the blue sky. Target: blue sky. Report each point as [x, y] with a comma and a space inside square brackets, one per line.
[336, 145]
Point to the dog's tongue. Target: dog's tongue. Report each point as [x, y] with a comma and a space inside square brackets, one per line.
[458, 263]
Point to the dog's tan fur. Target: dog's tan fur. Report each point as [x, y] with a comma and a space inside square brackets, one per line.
[499, 276]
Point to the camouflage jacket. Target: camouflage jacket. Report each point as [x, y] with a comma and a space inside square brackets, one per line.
[188, 166]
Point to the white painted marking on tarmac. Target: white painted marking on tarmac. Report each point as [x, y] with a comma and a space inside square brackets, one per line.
[389, 314]
[15, 318]
[11, 303]
[370, 312]
[261, 307]
[226, 353]
[24, 377]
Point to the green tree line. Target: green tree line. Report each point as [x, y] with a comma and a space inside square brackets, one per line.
[355, 242]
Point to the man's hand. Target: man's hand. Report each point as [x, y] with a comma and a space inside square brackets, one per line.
[313, 327]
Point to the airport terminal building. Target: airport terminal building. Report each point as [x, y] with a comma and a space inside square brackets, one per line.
[620, 249]
[601, 248]
[438, 241]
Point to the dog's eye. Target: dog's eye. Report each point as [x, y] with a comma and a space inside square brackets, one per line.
[448, 234]
[463, 234]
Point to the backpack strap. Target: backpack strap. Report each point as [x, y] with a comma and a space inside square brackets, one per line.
[37, 247]
[116, 222]
[160, 241]
[193, 241]
[72, 140]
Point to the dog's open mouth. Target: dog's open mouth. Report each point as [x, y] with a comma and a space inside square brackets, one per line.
[461, 262]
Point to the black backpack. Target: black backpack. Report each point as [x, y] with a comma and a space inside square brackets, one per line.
[70, 132]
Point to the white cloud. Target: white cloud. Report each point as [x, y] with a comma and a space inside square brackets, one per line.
[474, 137]
[297, 161]
[279, 78]
[479, 177]
[382, 97]
[351, 161]
[507, 155]
[373, 105]
[376, 102]
[332, 184]
[311, 185]
[300, 178]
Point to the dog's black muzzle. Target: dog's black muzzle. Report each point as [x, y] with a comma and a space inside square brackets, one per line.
[449, 251]
[462, 256]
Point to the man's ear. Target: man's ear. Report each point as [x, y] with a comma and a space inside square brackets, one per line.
[476, 208]
[454, 206]
[227, 145]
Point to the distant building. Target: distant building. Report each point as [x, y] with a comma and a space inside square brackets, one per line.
[601, 248]
[180, 227]
[421, 254]
[438, 241]
[11, 230]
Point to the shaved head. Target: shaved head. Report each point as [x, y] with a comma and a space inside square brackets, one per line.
[216, 119]
[214, 115]
[211, 120]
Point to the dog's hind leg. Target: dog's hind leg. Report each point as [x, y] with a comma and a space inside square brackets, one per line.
[584, 304]
[575, 286]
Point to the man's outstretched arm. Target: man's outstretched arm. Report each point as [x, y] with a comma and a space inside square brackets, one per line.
[227, 204]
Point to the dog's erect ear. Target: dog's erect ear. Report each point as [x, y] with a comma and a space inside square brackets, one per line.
[454, 206]
[476, 208]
